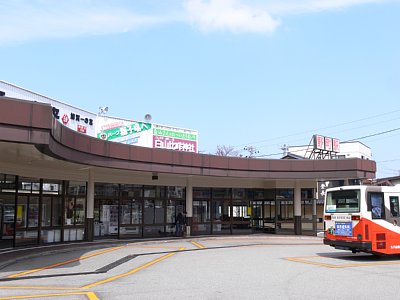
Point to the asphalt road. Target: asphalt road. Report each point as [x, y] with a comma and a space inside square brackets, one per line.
[227, 267]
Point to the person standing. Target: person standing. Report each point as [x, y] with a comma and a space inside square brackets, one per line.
[179, 224]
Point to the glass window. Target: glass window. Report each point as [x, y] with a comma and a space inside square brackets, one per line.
[284, 202]
[50, 187]
[69, 210]
[132, 190]
[148, 211]
[344, 201]
[238, 194]
[394, 206]
[176, 192]
[307, 201]
[258, 194]
[221, 210]
[201, 211]
[106, 189]
[57, 211]
[21, 212]
[7, 183]
[149, 192]
[46, 211]
[29, 185]
[377, 205]
[201, 193]
[126, 211]
[240, 210]
[33, 212]
[220, 193]
[75, 211]
[159, 211]
[76, 188]
[80, 211]
[269, 210]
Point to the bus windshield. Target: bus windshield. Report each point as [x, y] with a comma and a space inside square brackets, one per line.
[345, 201]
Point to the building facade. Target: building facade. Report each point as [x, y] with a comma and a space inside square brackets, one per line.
[59, 185]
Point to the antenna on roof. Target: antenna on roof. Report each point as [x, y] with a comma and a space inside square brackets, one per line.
[103, 110]
[147, 117]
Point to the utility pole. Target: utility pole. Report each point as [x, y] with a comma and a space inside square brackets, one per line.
[252, 151]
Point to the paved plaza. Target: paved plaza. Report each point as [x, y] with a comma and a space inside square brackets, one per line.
[225, 267]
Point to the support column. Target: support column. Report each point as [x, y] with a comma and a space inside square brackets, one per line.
[189, 205]
[297, 209]
[314, 216]
[90, 207]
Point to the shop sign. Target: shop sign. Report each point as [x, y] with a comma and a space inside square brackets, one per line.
[74, 119]
[123, 131]
[161, 142]
[175, 134]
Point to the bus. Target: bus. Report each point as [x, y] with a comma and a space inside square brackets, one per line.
[363, 219]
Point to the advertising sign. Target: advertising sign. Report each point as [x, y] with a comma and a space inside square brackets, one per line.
[319, 142]
[326, 143]
[344, 228]
[146, 134]
[165, 137]
[74, 118]
[126, 132]
[335, 145]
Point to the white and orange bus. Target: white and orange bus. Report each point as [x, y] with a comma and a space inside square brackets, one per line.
[363, 219]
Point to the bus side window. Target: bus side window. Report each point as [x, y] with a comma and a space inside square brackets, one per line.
[394, 206]
[376, 205]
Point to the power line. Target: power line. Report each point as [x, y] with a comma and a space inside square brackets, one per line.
[352, 140]
[374, 134]
[323, 128]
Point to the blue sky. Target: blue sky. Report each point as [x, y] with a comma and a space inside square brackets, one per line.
[241, 72]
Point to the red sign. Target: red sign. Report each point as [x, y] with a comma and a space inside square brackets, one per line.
[81, 129]
[319, 142]
[65, 119]
[336, 145]
[328, 144]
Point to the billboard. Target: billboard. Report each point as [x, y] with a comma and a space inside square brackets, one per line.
[179, 139]
[326, 143]
[146, 134]
[124, 131]
[74, 118]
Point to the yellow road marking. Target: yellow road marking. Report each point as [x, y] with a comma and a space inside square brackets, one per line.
[63, 262]
[304, 261]
[130, 272]
[89, 295]
[295, 259]
[198, 245]
[36, 287]
[155, 246]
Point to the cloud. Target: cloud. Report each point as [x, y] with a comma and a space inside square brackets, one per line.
[25, 20]
[229, 15]
[29, 20]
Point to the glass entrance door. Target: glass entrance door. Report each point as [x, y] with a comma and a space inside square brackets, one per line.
[105, 218]
[257, 223]
[7, 215]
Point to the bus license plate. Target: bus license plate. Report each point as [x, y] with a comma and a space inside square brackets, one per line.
[344, 228]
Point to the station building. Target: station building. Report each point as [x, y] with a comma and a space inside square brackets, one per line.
[61, 185]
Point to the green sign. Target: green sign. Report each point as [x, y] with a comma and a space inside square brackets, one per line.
[122, 131]
[174, 134]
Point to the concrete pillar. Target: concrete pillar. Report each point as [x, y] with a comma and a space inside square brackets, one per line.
[297, 209]
[90, 207]
[189, 205]
[314, 215]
